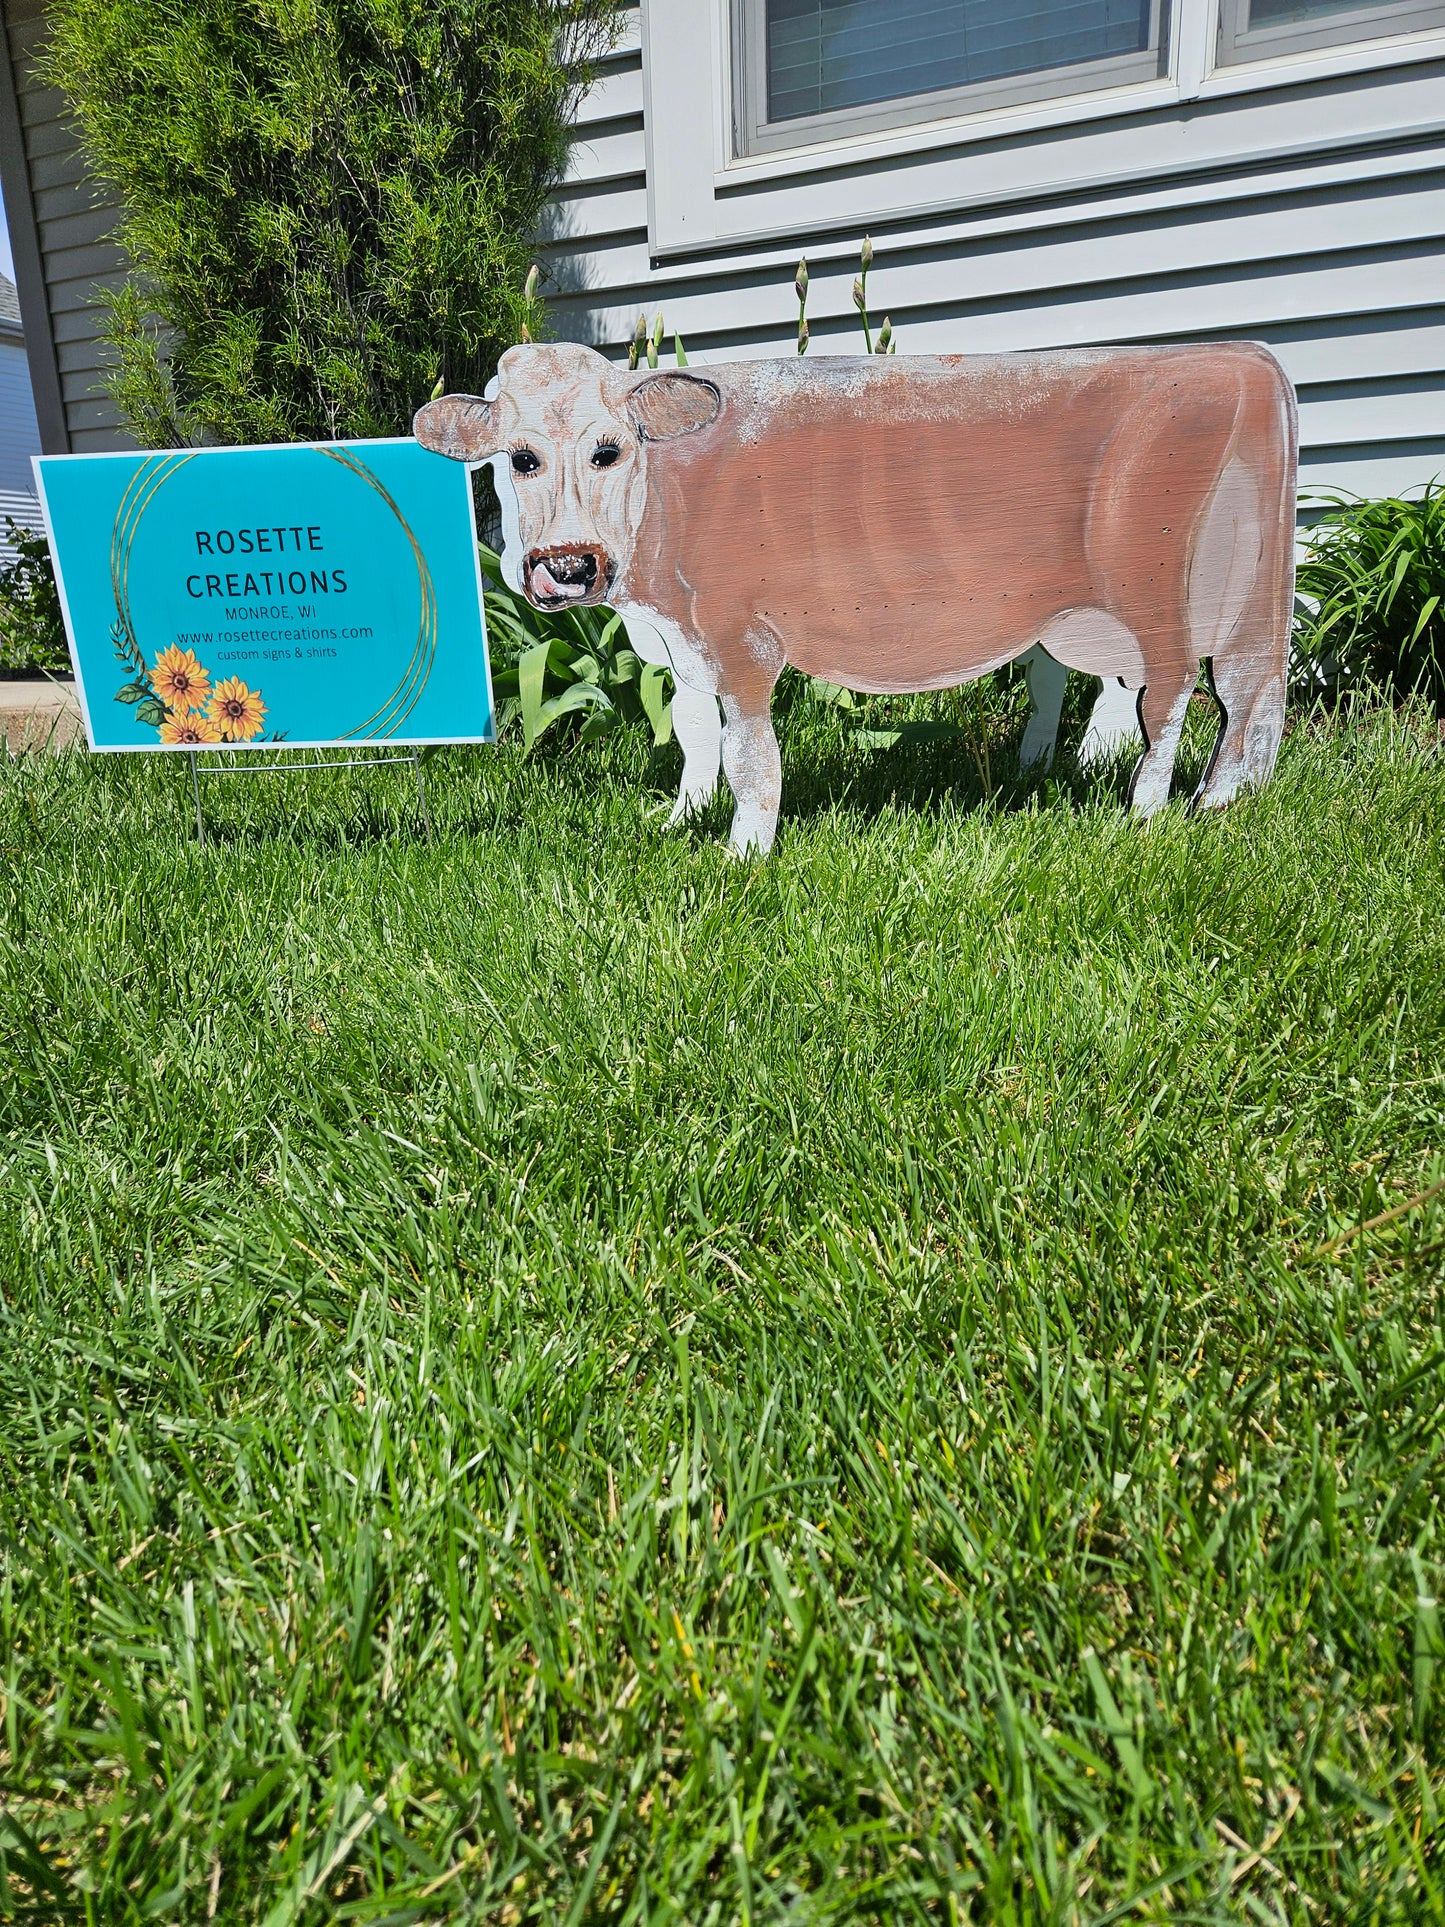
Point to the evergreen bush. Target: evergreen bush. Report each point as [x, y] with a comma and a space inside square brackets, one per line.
[328, 203]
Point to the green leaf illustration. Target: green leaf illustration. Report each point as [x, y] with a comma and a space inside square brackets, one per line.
[133, 692]
[152, 711]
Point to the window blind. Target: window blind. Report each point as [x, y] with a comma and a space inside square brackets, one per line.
[828, 54]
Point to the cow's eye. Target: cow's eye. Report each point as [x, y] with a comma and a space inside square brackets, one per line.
[605, 454]
[525, 462]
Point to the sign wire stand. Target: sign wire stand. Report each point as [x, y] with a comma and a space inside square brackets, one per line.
[252, 766]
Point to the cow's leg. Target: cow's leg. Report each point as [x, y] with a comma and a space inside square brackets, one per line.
[1147, 503]
[1243, 607]
[1046, 680]
[754, 769]
[1252, 697]
[1113, 723]
[698, 728]
[1162, 708]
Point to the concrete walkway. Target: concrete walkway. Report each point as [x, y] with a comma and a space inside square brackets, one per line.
[39, 715]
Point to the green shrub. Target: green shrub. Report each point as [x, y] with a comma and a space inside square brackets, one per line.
[32, 633]
[576, 662]
[1375, 571]
[328, 203]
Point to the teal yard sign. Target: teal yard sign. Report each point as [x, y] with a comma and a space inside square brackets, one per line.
[310, 596]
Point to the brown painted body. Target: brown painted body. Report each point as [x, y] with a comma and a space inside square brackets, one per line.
[909, 523]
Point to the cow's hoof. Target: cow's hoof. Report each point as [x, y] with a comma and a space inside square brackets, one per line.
[688, 806]
[750, 849]
[1037, 748]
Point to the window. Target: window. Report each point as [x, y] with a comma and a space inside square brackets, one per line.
[812, 69]
[1258, 29]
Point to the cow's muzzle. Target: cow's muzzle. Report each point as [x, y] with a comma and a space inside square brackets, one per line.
[574, 573]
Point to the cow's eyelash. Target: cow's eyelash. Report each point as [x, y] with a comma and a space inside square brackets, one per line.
[605, 454]
[525, 461]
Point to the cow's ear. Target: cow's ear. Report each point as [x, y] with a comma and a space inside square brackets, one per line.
[461, 426]
[666, 405]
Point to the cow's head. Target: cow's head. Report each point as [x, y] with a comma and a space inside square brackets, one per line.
[571, 432]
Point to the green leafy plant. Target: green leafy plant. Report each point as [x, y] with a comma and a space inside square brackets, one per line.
[32, 632]
[1374, 575]
[328, 206]
[577, 662]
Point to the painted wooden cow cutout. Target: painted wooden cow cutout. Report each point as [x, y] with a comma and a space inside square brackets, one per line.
[905, 523]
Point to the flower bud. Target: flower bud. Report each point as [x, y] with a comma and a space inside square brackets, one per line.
[803, 337]
[867, 255]
[800, 281]
[884, 343]
[529, 288]
[858, 293]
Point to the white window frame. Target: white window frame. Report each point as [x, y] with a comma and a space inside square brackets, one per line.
[1238, 41]
[705, 196]
[753, 133]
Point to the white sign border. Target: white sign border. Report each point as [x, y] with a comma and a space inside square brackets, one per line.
[251, 748]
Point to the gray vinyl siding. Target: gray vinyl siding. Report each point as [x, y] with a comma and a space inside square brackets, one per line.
[1335, 261]
[19, 439]
[19, 435]
[74, 220]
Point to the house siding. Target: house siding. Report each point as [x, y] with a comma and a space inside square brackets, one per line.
[19, 440]
[74, 220]
[1328, 250]
[1331, 257]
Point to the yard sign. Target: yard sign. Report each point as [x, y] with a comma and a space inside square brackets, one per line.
[314, 596]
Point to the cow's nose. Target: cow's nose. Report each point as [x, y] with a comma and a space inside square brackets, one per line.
[573, 566]
[567, 573]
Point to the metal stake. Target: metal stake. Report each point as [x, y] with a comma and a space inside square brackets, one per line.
[421, 794]
[196, 787]
[249, 768]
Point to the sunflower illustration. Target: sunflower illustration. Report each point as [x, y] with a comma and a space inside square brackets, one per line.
[179, 680]
[191, 726]
[238, 712]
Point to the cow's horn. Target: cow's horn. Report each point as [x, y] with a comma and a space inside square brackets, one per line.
[461, 426]
[667, 405]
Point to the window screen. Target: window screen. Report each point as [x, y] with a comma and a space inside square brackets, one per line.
[1269, 13]
[823, 55]
[1264, 29]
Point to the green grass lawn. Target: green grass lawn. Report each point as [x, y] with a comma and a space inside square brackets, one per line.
[553, 1377]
